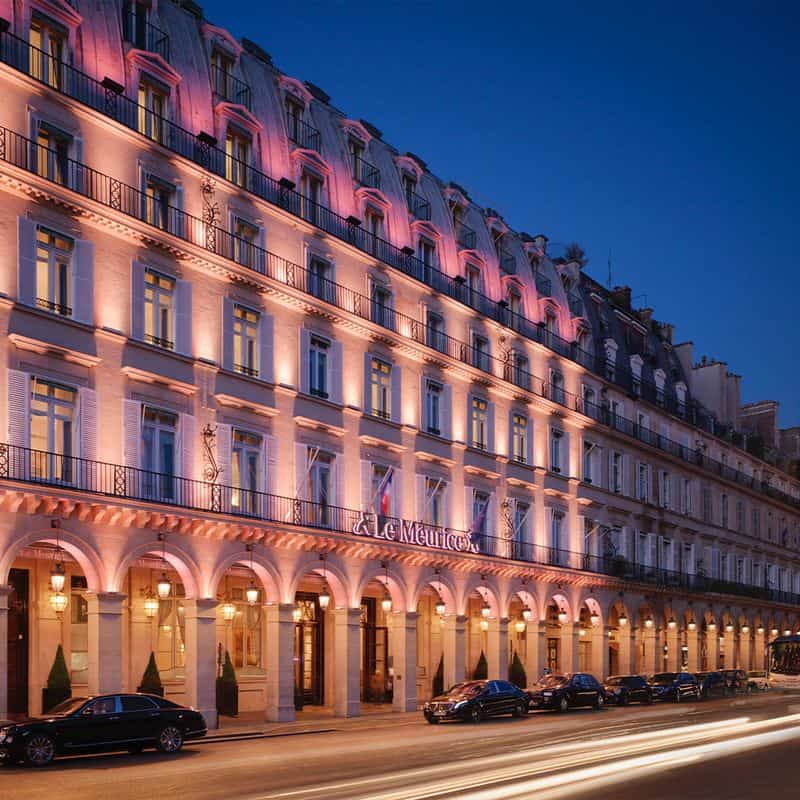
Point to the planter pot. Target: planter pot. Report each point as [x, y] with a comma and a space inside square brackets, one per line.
[52, 697]
[159, 692]
[298, 700]
[227, 699]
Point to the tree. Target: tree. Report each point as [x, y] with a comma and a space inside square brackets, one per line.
[58, 679]
[438, 678]
[481, 668]
[228, 672]
[516, 672]
[574, 252]
[151, 680]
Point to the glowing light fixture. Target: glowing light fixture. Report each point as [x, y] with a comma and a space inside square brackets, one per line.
[729, 627]
[440, 606]
[296, 614]
[745, 628]
[486, 610]
[623, 619]
[760, 630]
[594, 618]
[386, 603]
[58, 602]
[228, 611]
[251, 593]
[164, 586]
[648, 622]
[787, 632]
[484, 624]
[692, 625]
[562, 615]
[57, 577]
[712, 626]
[582, 632]
[527, 614]
[774, 631]
[324, 598]
[520, 625]
[150, 606]
[672, 624]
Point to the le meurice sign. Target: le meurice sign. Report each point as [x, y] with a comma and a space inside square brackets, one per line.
[406, 532]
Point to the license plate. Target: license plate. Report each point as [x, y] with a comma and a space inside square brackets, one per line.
[439, 713]
[548, 694]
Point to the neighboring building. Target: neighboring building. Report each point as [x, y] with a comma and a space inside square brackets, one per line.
[255, 358]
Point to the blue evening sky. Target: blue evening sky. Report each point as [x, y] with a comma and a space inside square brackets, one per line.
[667, 134]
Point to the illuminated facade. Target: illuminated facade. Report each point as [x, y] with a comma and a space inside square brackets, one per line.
[255, 358]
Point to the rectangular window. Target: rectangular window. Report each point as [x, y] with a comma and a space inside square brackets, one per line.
[152, 111]
[557, 394]
[434, 502]
[706, 501]
[48, 52]
[480, 510]
[159, 204]
[665, 490]
[687, 501]
[519, 438]
[320, 283]
[520, 370]
[159, 431]
[556, 537]
[320, 485]
[319, 352]
[556, 439]
[54, 254]
[381, 302]
[433, 407]
[237, 156]
[474, 284]
[756, 523]
[374, 225]
[310, 197]
[245, 472]
[434, 332]
[589, 453]
[246, 250]
[381, 491]
[159, 309]
[480, 352]
[221, 74]
[479, 417]
[381, 388]
[52, 421]
[724, 510]
[52, 154]
[522, 513]
[616, 473]
[643, 482]
[245, 340]
[426, 252]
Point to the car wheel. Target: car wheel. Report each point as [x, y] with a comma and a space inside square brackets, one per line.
[475, 714]
[432, 720]
[520, 710]
[169, 739]
[599, 702]
[563, 704]
[40, 750]
[135, 749]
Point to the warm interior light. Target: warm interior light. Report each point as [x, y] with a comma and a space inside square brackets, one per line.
[228, 611]
[520, 625]
[386, 603]
[623, 620]
[562, 616]
[440, 607]
[745, 629]
[712, 626]
[57, 577]
[582, 632]
[760, 630]
[692, 625]
[774, 631]
[787, 632]
[150, 606]
[324, 597]
[729, 627]
[251, 593]
[296, 613]
[527, 614]
[58, 602]
[486, 610]
[164, 586]
[672, 624]
[484, 624]
[594, 618]
[648, 623]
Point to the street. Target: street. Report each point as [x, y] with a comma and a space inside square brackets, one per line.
[724, 748]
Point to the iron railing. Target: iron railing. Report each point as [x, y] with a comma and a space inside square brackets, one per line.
[301, 133]
[230, 88]
[543, 286]
[71, 473]
[465, 236]
[575, 304]
[365, 173]
[418, 206]
[142, 34]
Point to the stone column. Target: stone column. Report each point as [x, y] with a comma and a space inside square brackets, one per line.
[673, 649]
[280, 662]
[712, 648]
[570, 636]
[693, 651]
[5, 591]
[347, 662]
[454, 647]
[497, 648]
[201, 657]
[105, 641]
[600, 645]
[536, 639]
[649, 662]
[403, 647]
[743, 660]
[629, 665]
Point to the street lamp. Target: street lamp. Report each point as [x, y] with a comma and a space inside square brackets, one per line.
[324, 597]
[164, 586]
[57, 577]
[486, 610]
[623, 619]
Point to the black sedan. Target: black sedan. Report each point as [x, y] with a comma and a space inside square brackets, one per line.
[713, 684]
[738, 681]
[473, 701]
[561, 692]
[624, 689]
[100, 724]
[677, 686]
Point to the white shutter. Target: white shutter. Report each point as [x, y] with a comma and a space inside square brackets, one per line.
[187, 435]
[227, 333]
[366, 487]
[132, 432]
[137, 301]
[263, 462]
[83, 305]
[490, 424]
[367, 383]
[26, 262]
[626, 476]
[447, 412]
[271, 484]
[419, 480]
[266, 364]
[566, 470]
[335, 373]
[180, 222]
[183, 317]
[651, 558]
[300, 471]
[491, 516]
[19, 408]
[87, 400]
[303, 361]
[397, 388]
[224, 442]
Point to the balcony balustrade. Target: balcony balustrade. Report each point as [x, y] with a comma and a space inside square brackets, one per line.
[230, 88]
[418, 206]
[365, 173]
[301, 133]
[143, 35]
[465, 236]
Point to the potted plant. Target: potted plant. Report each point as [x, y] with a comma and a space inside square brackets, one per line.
[151, 680]
[438, 678]
[227, 689]
[516, 672]
[481, 669]
[58, 686]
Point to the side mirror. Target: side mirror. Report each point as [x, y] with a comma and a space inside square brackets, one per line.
[87, 712]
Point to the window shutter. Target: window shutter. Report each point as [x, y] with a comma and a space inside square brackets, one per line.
[26, 262]
[397, 388]
[227, 333]
[652, 552]
[183, 317]
[446, 506]
[366, 488]
[266, 332]
[19, 408]
[187, 430]
[87, 401]
[419, 480]
[180, 226]
[132, 432]
[447, 412]
[300, 471]
[469, 517]
[83, 305]
[626, 476]
[271, 462]
[490, 425]
[491, 516]
[367, 383]
[566, 470]
[423, 415]
[303, 361]
[224, 442]
[397, 493]
[338, 481]
[335, 373]
[137, 301]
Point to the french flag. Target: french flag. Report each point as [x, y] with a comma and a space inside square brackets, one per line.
[383, 496]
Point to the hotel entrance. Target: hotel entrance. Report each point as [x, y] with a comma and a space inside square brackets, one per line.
[375, 681]
[308, 651]
[18, 643]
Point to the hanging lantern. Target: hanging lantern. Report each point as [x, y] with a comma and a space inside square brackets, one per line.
[712, 626]
[582, 632]
[386, 603]
[296, 614]
[594, 618]
[648, 622]
[164, 586]
[729, 627]
[150, 606]
[520, 625]
[324, 597]
[672, 624]
[58, 602]
[745, 628]
[527, 614]
[760, 630]
[57, 577]
[623, 619]
[251, 593]
[692, 624]
[562, 616]
[484, 624]
[787, 632]
[486, 610]
[440, 607]
[774, 631]
[228, 610]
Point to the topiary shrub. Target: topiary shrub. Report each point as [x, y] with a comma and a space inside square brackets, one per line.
[438, 678]
[58, 686]
[516, 672]
[151, 680]
[227, 689]
[481, 668]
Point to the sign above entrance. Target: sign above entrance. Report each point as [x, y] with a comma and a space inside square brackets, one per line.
[407, 532]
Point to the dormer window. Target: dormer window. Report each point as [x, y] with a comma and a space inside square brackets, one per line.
[426, 252]
[299, 131]
[474, 284]
[514, 302]
[238, 147]
[152, 109]
[48, 51]
[311, 196]
[138, 29]
[365, 173]
[373, 222]
[418, 206]
[225, 83]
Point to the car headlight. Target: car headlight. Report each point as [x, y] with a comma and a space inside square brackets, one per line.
[459, 704]
[3, 734]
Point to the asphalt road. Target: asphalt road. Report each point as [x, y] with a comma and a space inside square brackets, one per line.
[734, 749]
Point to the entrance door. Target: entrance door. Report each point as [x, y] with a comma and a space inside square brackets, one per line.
[553, 648]
[18, 643]
[613, 658]
[374, 656]
[308, 662]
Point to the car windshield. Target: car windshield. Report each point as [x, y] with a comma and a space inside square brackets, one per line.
[758, 674]
[469, 688]
[663, 677]
[614, 681]
[67, 707]
[551, 681]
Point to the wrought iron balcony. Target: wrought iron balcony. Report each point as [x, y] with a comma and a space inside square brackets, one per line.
[301, 133]
[143, 35]
[465, 236]
[365, 173]
[418, 206]
[230, 88]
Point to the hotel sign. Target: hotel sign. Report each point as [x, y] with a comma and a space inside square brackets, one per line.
[406, 532]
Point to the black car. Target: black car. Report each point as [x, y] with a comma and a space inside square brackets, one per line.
[624, 689]
[677, 686]
[473, 701]
[561, 692]
[713, 684]
[100, 724]
[738, 681]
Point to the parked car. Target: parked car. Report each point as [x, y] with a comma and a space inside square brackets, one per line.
[561, 692]
[624, 689]
[758, 680]
[475, 700]
[737, 681]
[677, 686]
[713, 684]
[100, 724]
